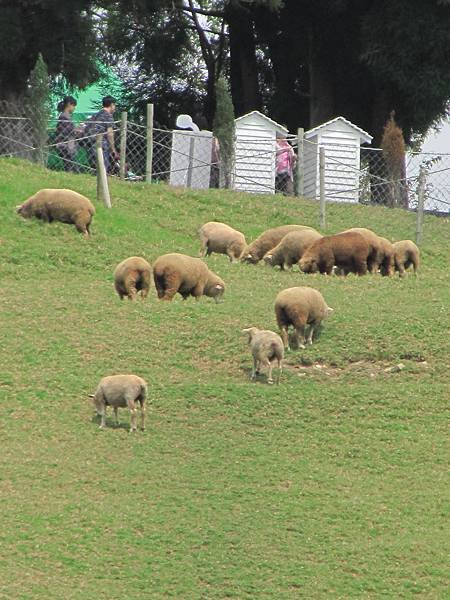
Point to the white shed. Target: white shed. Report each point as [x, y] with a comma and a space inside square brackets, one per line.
[190, 161]
[341, 141]
[255, 147]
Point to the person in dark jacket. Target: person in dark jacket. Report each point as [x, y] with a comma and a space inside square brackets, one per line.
[66, 134]
[103, 123]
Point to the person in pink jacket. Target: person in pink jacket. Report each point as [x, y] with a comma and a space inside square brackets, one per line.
[285, 162]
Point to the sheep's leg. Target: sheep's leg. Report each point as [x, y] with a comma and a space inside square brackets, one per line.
[82, 228]
[204, 243]
[401, 270]
[300, 335]
[280, 370]
[198, 290]
[255, 368]
[269, 375]
[311, 333]
[142, 416]
[102, 417]
[116, 414]
[284, 336]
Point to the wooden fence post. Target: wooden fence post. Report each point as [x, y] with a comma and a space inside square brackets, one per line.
[102, 179]
[322, 218]
[299, 189]
[123, 144]
[149, 156]
[420, 204]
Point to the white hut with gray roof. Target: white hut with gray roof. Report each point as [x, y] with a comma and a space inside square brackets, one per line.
[341, 141]
[255, 148]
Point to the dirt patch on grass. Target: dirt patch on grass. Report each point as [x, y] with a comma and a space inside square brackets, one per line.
[363, 368]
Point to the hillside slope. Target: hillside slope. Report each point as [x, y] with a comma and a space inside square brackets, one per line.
[329, 485]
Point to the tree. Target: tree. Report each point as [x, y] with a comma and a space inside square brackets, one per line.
[394, 152]
[224, 131]
[63, 34]
[38, 102]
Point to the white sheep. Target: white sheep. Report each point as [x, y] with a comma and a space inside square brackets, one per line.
[266, 347]
[221, 238]
[121, 391]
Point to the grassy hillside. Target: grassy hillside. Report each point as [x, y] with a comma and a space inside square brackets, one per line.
[331, 485]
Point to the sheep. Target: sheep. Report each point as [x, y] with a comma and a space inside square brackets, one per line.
[386, 257]
[120, 391]
[347, 251]
[62, 205]
[266, 241]
[221, 238]
[131, 276]
[299, 307]
[291, 248]
[376, 253]
[186, 275]
[266, 347]
[406, 253]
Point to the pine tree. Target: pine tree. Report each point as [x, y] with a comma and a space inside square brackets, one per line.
[38, 102]
[224, 131]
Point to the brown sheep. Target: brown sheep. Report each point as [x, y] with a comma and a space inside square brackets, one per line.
[266, 241]
[121, 391]
[299, 307]
[62, 205]
[131, 276]
[376, 253]
[387, 257]
[406, 253]
[221, 238]
[266, 347]
[291, 248]
[346, 251]
[186, 275]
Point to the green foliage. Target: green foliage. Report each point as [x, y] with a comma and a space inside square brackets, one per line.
[333, 484]
[38, 100]
[224, 131]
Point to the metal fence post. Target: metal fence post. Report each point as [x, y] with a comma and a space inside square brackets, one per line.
[420, 204]
[299, 189]
[123, 143]
[102, 180]
[149, 156]
[322, 219]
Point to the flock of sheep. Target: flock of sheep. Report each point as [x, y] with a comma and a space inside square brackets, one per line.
[356, 250]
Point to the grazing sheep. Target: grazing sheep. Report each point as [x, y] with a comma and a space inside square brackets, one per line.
[406, 253]
[347, 251]
[131, 276]
[266, 241]
[221, 238]
[376, 253]
[266, 347]
[386, 257]
[121, 391]
[299, 307]
[291, 248]
[174, 273]
[59, 205]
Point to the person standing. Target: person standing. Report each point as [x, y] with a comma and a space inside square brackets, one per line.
[66, 134]
[103, 122]
[285, 161]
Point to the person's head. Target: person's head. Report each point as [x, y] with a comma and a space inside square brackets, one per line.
[109, 104]
[67, 104]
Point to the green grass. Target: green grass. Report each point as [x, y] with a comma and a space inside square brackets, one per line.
[332, 485]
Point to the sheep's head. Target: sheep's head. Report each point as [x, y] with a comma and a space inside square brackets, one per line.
[20, 210]
[251, 332]
[249, 257]
[96, 404]
[308, 264]
[237, 249]
[268, 258]
[328, 311]
[215, 287]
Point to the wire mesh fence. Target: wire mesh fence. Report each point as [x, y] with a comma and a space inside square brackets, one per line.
[192, 159]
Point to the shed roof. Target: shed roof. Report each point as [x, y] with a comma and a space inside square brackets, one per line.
[273, 124]
[364, 136]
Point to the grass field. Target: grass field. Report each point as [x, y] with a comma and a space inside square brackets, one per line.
[333, 484]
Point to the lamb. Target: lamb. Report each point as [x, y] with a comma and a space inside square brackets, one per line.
[266, 241]
[62, 205]
[347, 251]
[299, 307]
[221, 238]
[186, 275]
[266, 347]
[376, 253]
[291, 248]
[386, 257]
[406, 253]
[131, 276]
[120, 391]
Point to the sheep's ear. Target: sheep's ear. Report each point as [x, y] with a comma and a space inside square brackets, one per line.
[218, 286]
[329, 310]
[91, 395]
[18, 207]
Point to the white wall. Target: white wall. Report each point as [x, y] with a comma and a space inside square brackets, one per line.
[198, 175]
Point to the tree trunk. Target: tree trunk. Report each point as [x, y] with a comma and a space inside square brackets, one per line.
[321, 85]
[243, 67]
